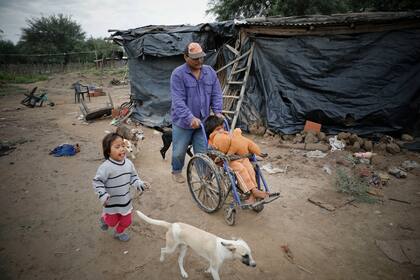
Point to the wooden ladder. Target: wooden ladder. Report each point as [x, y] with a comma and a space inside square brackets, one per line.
[232, 96]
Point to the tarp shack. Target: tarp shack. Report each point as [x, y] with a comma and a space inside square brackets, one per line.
[349, 72]
[154, 52]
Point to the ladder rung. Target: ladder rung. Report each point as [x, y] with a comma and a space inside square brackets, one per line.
[235, 82]
[231, 96]
[239, 70]
[235, 51]
[228, 112]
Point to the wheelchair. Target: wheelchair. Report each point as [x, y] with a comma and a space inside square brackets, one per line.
[213, 183]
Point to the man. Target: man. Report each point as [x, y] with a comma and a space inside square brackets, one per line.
[195, 89]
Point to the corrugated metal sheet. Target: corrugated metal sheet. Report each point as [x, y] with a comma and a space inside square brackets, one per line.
[335, 19]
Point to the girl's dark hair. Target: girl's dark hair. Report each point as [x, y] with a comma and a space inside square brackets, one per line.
[211, 123]
[107, 142]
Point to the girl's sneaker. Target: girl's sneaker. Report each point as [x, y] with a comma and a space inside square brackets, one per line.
[122, 236]
[102, 224]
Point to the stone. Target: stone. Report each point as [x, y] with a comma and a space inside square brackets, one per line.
[392, 148]
[355, 147]
[311, 138]
[343, 135]
[380, 147]
[407, 137]
[298, 139]
[367, 145]
[322, 136]
[353, 139]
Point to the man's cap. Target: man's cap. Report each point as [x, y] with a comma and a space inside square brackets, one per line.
[195, 51]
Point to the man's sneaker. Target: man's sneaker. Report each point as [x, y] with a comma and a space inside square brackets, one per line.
[102, 224]
[178, 177]
[122, 236]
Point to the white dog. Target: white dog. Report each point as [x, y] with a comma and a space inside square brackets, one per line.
[130, 148]
[207, 245]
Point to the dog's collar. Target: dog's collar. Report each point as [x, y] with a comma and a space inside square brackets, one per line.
[117, 162]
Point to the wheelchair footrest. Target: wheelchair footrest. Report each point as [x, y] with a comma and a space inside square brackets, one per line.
[270, 198]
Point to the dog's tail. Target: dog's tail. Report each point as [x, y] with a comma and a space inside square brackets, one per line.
[153, 221]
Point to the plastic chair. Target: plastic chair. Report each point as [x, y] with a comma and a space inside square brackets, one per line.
[80, 90]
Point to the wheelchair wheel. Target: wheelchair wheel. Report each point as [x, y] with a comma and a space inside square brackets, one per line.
[205, 183]
[258, 208]
[230, 216]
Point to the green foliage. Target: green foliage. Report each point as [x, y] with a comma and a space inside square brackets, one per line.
[230, 9]
[102, 47]
[353, 186]
[53, 34]
[21, 78]
[7, 48]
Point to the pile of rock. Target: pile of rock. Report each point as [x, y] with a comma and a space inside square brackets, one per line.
[310, 140]
[354, 142]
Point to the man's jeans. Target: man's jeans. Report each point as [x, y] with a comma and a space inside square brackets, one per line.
[181, 138]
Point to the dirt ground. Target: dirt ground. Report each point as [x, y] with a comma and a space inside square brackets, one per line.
[49, 218]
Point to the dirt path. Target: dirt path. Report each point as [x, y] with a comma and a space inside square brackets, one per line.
[49, 222]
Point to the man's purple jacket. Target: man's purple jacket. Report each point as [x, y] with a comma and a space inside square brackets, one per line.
[192, 97]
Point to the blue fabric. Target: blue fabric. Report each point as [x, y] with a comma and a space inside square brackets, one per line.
[64, 150]
[192, 97]
[181, 138]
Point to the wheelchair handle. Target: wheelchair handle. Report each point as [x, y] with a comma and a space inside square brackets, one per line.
[203, 130]
[226, 124]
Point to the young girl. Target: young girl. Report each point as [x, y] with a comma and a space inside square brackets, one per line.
[112, 185]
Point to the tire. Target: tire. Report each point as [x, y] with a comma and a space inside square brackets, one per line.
[204, 182]
[258, 208]
[230, 216]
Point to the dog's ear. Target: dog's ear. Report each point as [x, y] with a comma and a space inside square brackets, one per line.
[229, 246]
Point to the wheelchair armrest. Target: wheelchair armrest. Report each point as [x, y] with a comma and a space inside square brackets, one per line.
[218, 154]
[235, 157]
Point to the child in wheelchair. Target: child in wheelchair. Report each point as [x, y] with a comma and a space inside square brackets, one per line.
[236, 144]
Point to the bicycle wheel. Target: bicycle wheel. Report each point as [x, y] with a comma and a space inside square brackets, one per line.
[204, 183]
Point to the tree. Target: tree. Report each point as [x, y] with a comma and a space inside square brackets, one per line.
[230, 9]
[102, 47]
[53, 34]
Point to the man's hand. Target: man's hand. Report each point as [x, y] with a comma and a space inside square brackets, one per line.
[195, 123]
[220, 115]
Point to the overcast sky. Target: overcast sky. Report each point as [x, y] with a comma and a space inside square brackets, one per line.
[97, 16]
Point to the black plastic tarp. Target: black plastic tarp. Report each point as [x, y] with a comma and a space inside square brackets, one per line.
[161, 41]
[154, 52]
[149, 80]
[361, 82]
